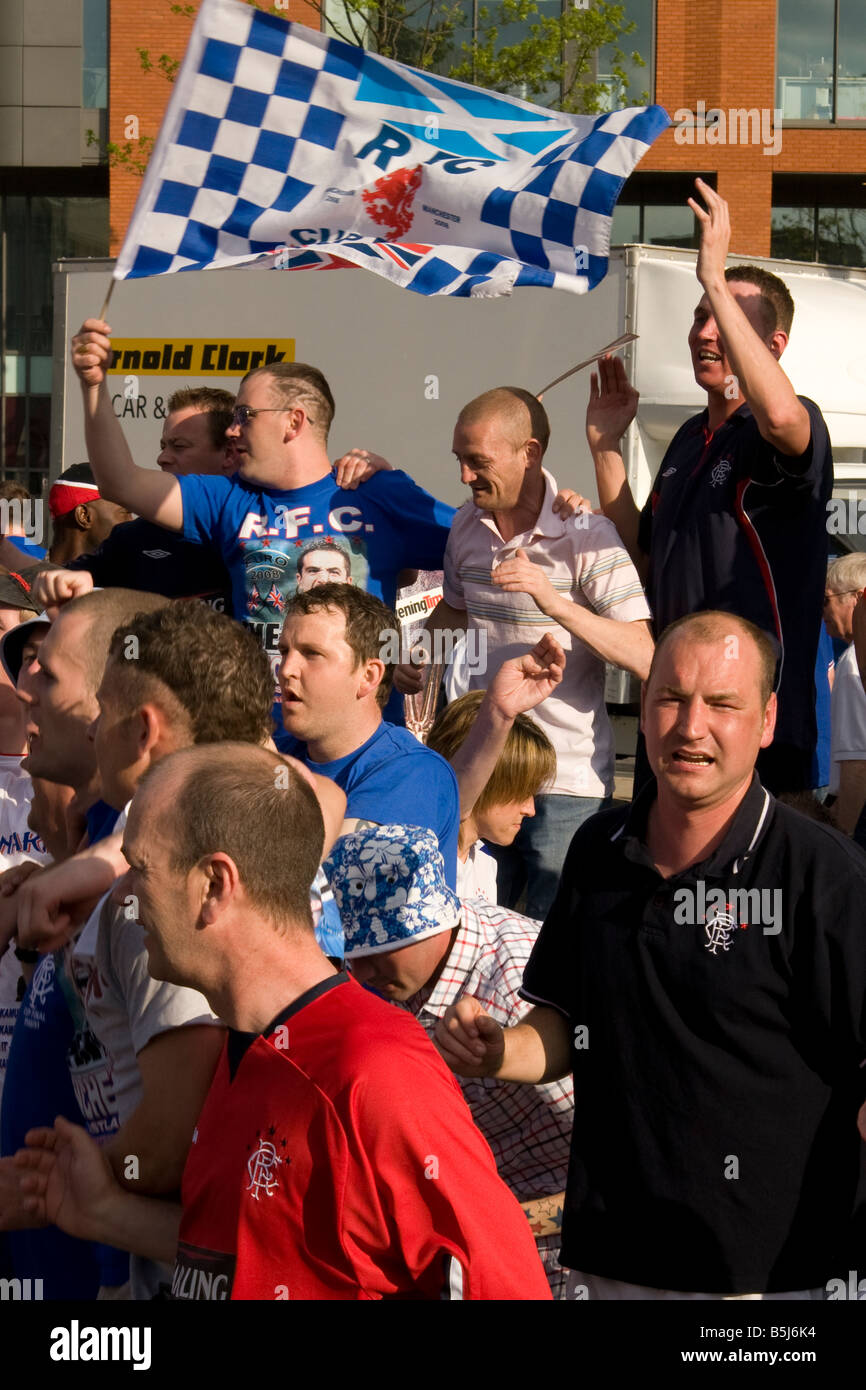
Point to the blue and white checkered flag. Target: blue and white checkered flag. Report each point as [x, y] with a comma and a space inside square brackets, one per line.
[285, 147]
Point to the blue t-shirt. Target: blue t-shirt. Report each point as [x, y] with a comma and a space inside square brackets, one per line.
[388, 524]
[57, 1067]
[393, 779]
[36, 552]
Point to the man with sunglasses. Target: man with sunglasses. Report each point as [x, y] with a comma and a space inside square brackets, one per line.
[283, 495]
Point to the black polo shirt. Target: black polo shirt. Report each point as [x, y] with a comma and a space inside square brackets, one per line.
[715, 1146]
[141, 555]
[731, 524]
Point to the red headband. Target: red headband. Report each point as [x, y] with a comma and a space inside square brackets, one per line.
[66, 496]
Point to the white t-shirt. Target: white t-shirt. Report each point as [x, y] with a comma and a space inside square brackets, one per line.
[847, 716]
[18, 845]
[476, 874]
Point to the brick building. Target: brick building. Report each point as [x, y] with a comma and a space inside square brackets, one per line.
[723, 69]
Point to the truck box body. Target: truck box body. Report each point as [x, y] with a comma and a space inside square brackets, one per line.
[401, 365]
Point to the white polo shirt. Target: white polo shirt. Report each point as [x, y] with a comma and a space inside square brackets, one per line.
[582, 557]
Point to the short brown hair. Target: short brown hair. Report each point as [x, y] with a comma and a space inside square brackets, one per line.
[714, 626]
[212, 666]
[505, 402]
[107, 609]
[236, 798]
[14, 492]
[369, 623]
[211, 401]
[299, 383]
[524, 768]
[776, 302]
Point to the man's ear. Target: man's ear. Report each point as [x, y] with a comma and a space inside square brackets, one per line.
[220, 885]
[778, 342]
[148, 728]
[769, 721]
[83, 517]
[533, 453]
[372, 674]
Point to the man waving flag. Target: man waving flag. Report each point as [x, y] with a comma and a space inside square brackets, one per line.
[286, 147]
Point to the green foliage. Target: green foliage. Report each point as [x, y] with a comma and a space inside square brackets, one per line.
[552, 63]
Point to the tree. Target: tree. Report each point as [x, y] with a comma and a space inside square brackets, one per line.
[551, 59]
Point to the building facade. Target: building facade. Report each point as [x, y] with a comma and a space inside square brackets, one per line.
[53, 198]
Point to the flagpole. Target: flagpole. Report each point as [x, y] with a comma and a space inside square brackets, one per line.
[104, 308]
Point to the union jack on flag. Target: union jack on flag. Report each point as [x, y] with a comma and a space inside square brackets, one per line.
[287, 148]
[275, 599]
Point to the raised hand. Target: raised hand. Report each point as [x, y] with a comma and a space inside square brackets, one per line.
[53, 588]
[523, 682]
[613, 403]
[715, 223]
[91, 351]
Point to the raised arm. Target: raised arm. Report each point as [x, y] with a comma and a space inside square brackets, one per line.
[146, 491]
[782, 419]
[612, 406]
[518, 686]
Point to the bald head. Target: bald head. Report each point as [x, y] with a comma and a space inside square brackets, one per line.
[519, 415]
[251, 805]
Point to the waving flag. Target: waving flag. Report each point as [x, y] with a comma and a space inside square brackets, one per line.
[285, 147]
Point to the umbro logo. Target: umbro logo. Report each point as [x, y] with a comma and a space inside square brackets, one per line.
[156, 554]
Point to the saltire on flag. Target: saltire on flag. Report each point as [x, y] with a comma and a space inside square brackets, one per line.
[287, 148]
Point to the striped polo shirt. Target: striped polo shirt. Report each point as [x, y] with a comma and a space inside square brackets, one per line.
[582, 557]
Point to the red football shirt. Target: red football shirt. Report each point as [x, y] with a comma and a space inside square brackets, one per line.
[335, 1158]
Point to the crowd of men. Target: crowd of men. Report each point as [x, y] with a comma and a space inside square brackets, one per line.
[296, 1005]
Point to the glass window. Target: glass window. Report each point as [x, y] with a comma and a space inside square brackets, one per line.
[851, 68]
[94, 40]
[625, 227]
[669, 226]
[792, 233]
[641, 80]
[842, 236]
[821, 60]
[37, 230]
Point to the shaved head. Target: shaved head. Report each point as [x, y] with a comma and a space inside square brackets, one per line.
[518, 413]
[714, 626]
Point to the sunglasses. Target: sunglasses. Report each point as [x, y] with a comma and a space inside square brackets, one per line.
[243, 413]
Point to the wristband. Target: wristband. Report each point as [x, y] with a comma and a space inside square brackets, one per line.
[25, 956]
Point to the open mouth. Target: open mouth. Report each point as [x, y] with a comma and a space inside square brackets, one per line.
[685, 759]
[705, 355]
